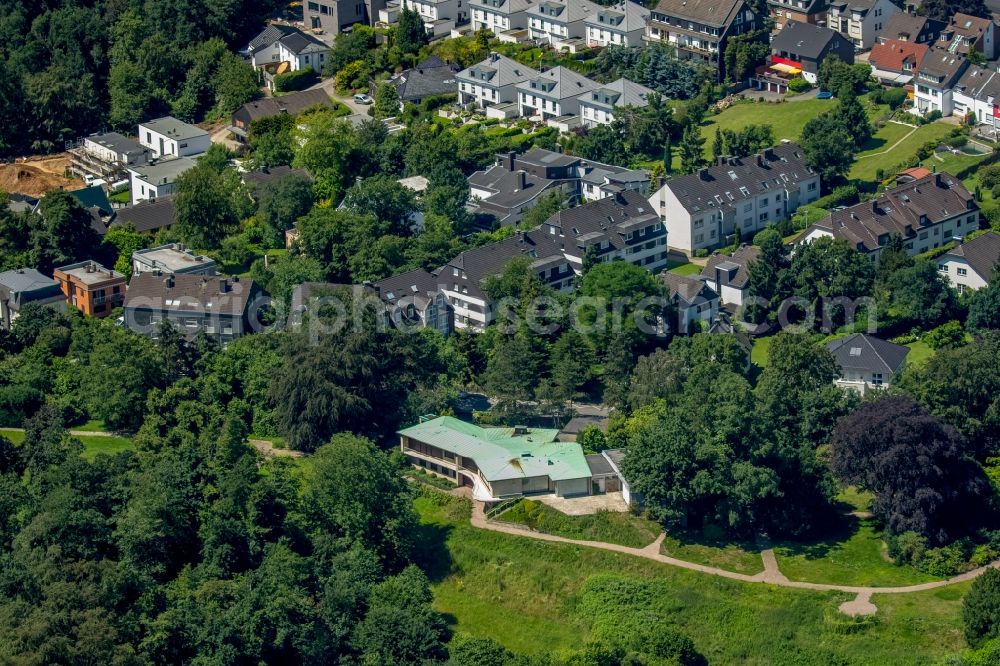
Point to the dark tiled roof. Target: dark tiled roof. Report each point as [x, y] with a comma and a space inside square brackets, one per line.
[940, 67]
[506, 186]
[298, 41]
[255, 180]
[898, 211]
[476, 265]
[719, 187]
[118, 143]
[149, 215]
[292, 104]
[598, 464]
[709, 12]
[980, 83]
[982, 254]
[867, 353]
[691, 290]
[804, 39]
[608, 219]
[911, 28]
[578, 423]
[415, 284]
[429, 78]
[190, 293]
[270, 35]
[741, 258]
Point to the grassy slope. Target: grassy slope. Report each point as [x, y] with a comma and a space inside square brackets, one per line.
[741, 558]
[876, 157]
[611, 527]
[532, 597]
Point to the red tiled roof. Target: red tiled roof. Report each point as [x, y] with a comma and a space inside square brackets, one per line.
[891, 55]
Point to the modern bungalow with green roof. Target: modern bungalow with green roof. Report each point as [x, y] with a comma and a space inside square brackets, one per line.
[498, 463]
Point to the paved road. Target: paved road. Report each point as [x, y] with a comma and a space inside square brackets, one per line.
[861, 605]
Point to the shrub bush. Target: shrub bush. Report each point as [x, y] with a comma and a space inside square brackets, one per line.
[947, 335]
[981, 608]
[297, 80]
[798, 85]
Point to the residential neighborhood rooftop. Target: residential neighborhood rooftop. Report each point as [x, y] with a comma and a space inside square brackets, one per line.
[864, 352]
[147, 215]
[163, 171]
[982, 253]
[89, 272]
[175, 129]
[203, 294]
[173, 257]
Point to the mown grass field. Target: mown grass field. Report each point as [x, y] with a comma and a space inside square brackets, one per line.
[625, 529]
[92, 444]
[537, 597]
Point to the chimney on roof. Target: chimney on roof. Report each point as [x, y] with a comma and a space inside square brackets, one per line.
[510, 160]
[769, 154]
[937, 180]
[223, 285]
[168, 282]
[522, 179]
[90, 267]
[703, 174]
[179, 247]
[722, 161]
[875, 208]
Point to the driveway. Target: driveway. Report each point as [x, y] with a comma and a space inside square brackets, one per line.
[328, 86]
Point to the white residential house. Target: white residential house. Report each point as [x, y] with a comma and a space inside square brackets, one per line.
[597, 107]
[492, 81]
[972, 264]
[279, 44]
[729, 275]
[169, 137]
[934, 81]
[860, 21]
[557, 22]
[499, 16]
[977, 95]
[695, 303]
[704, 209]
[553, 94]
[623, 24]
[158, 178]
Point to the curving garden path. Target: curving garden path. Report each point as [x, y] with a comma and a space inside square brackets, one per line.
[860, 605]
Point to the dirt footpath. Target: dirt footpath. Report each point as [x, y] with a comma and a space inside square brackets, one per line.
[38, 175]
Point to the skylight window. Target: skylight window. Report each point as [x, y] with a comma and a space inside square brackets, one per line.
[855, 351]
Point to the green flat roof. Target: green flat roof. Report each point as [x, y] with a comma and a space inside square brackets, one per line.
[500, 454]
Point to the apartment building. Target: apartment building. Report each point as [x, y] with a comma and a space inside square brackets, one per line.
[703, 210]
[976, 95]
[21, 286]
[415, 300]
[907, 27]
[219, 307]
[106, 156]
[926, 213]
[966, 33]
[700, 29]
[440, 17]
[335, 16]
[492, 81]
[860, 21]
[623, 24]
[91, 288]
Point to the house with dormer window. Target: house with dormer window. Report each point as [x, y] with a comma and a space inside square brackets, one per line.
[492, 81]
[560, 22]
[623, 24]
[499, 16]
[700, 29]
[597, 107]
[553, 94]
[937, 75]
[860, 21]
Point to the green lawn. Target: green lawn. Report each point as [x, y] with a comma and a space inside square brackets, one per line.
[537, 597]
[854, 556]
[886, 155]
[738, 557]
[92, 444]
[920, 351]
[951, 163]
[786, 118]
[608, 526]
[685, 269]
[93, 425]
[758, 354]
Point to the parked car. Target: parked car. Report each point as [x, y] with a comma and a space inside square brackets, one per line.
[361, 98]
[824, 94]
